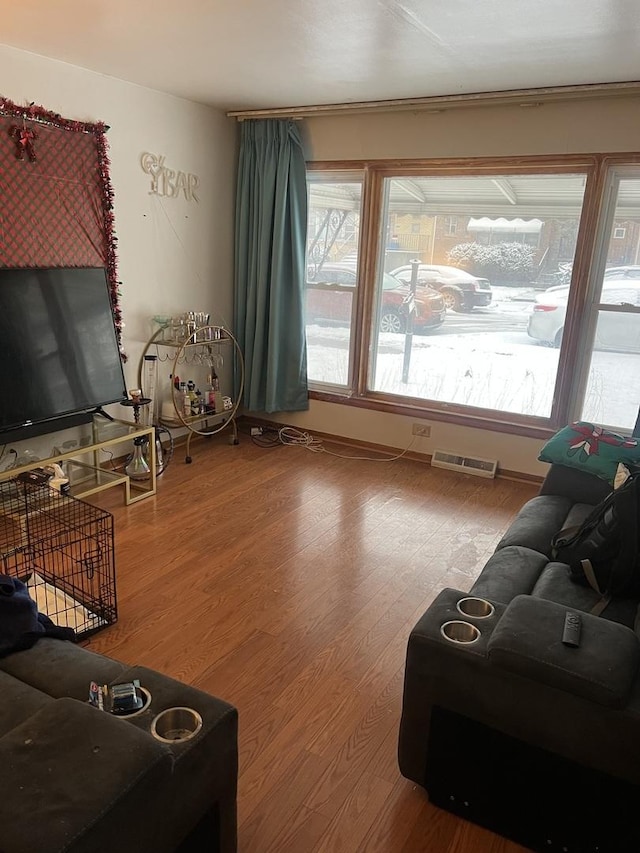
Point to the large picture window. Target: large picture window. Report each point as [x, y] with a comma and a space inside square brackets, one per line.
[494, 291]
[482, 351]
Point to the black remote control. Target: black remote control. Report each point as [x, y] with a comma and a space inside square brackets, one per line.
[572, 629]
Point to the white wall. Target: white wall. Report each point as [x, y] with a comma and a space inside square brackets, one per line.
[596, 125]
[174, 255]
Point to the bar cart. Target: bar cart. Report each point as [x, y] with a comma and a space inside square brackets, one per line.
[211, 359]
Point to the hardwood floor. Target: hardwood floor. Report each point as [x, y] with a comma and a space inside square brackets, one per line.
[287, 582]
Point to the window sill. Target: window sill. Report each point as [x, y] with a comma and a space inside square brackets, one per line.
[481, 420]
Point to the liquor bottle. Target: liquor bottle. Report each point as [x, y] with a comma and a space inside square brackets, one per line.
[213, 394]
[210, 398]
[193, 400]
[185, 399]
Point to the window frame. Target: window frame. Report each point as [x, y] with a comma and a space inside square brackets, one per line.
[451, 225]
[613, 170]
[589, 263]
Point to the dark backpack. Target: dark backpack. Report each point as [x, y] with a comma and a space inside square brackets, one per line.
[603, 552]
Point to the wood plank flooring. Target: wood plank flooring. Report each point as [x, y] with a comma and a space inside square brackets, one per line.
[287, 582]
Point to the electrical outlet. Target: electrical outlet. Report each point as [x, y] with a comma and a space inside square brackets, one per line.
[423, 430]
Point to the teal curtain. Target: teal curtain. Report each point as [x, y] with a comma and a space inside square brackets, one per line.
[271, 223]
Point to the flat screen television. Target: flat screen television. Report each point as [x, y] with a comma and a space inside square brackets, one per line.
[59, 355]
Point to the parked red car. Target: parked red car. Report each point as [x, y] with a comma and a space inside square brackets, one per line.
[330, 298]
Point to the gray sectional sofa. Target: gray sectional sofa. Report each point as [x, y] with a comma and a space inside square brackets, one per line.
[505, 725]
[81, 780]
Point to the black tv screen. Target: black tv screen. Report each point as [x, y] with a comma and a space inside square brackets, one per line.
[59, 352]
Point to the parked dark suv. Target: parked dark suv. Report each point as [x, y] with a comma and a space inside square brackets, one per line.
[330, 293]
[460, 290]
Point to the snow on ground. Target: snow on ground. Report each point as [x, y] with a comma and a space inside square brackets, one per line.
[466, 369]
[503, 370]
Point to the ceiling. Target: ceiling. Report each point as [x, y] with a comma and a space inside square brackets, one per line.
[252, 54]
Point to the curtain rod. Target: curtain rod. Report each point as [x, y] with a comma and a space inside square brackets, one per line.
[439, 103]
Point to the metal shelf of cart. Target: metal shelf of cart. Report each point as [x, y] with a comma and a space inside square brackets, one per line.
[203, 335]
[206, 339]
[188, 420]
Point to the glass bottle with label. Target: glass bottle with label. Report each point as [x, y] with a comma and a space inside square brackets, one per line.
[184, 400]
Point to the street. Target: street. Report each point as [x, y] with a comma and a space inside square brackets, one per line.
[496, 318]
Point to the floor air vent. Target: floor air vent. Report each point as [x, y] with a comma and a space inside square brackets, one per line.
[467, 464]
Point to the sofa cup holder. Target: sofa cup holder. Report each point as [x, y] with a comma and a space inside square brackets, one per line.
[176, 725]
[475, 608]
[463, 633]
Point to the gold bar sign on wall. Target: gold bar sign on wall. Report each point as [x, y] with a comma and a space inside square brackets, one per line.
[168, 182]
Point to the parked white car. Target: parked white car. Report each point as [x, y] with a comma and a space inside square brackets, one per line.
[615, 331]
[632, 271]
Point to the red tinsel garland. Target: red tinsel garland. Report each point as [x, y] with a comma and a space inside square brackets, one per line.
[34, 112]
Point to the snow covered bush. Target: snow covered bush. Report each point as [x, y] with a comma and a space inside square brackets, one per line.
[500, 262]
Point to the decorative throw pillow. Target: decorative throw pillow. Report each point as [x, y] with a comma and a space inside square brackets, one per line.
[591, 448]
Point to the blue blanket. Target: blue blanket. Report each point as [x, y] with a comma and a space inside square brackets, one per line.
[20, 623]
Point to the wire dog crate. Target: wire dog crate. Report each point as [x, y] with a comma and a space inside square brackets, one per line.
[63, 550]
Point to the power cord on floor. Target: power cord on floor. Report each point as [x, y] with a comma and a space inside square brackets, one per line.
[111, 460]
[267, 437]
[292, 437]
